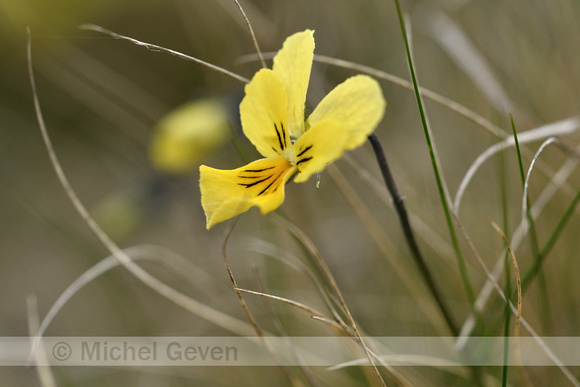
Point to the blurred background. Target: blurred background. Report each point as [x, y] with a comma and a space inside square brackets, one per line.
[106, 101]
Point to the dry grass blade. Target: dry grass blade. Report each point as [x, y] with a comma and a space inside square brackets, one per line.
[309, 245]
[251, 30]
[558, 128]
[468, 59]
[140, 252]
[556, 183]
[553, 140]
[279, 327]
[156, 48]
[44, 372]
[313, 312]
[204, 311]
[382, 241]
[518, 280]
[429, 94]
[423, 230]
[272, 251]
[259, 332]
[517, 350]
[462, 339]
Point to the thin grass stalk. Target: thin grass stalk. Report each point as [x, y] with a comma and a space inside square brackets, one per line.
[252, 34]
[533, 237]
[403, 271]
[399, 204]
[253, 322]
[279, 327]
[534, 270]
[45, 374]
[460, 342]
[156, 48]
[191, 305]
[507, 312]
[543, 289]
[434, 163]
[333, 285]
[510, 254]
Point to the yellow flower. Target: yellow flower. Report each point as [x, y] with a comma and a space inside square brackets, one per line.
[188, 134]
[273, 119]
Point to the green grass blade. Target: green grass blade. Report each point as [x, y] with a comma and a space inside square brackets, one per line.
[435, 164]
[543, 289]
[507, 265]
[534, 270]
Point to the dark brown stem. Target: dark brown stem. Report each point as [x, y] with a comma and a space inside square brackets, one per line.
[409, 236]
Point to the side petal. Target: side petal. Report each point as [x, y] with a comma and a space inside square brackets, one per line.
[320, 145]
[357, 103]
[293, 64]
[227, 193]
[263, 114]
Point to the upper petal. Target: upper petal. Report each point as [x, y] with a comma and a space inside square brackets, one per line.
[292, 64]
[357, 103]
[263, 114]
[227, 193]
[320, 145]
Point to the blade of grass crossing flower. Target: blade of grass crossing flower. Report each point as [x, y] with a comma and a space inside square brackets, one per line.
[435, 164]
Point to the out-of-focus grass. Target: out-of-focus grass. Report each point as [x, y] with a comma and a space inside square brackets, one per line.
[102, 97]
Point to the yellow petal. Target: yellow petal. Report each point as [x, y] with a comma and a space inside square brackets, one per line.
[187, 134]
[227, 193]
[319, 146]
[293, 64]
[357, 103]
[263, 114]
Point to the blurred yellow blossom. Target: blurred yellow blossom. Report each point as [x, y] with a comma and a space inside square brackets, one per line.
[187, 134]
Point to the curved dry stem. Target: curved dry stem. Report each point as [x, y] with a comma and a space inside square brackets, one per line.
[517, 349]
[251, 30]
[435, 97]
[227, 234]
[284, 334]
[309, 245]
[518, 279]
[468, 59]
[313, 312]
[45, 374]
[140, 252]
[220, 319]
[462, 339]
[383, 242]
[259, 332]
[156, 48]
[558, 128]
[549, 141]
[557, 182]
[272, 251]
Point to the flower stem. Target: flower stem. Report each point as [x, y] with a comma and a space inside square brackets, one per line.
[409, 236]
